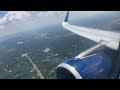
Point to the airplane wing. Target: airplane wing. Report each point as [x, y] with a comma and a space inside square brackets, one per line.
[112, 38]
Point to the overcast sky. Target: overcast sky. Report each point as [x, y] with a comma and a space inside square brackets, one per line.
[19, 21]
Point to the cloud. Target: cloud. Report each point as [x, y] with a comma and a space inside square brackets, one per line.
[2, 27]
[3, 11]
[55, 13]
[51, 13]
[12, 16]
[20, 21]
[15, 16]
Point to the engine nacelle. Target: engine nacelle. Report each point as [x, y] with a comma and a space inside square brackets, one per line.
[96, 66]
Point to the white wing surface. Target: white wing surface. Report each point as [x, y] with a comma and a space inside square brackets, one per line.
[93, 34]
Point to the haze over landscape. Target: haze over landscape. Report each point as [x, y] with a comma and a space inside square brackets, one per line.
[40, 37]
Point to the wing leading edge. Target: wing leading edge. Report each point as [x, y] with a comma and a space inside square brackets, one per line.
[98, 36]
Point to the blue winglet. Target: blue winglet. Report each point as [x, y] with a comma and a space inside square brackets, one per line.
[66, 18]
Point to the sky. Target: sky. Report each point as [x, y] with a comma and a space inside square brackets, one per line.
[20, 21]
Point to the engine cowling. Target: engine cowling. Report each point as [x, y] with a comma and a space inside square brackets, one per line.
[96, 66]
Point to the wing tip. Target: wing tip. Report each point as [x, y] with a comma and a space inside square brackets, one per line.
[65, 22]
[66, 18]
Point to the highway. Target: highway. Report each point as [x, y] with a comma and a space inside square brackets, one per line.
[34, 66]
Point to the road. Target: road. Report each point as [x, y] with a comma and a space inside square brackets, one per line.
[34, 66]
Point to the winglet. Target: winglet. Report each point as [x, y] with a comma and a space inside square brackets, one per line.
[65, 22]
[66, 18]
